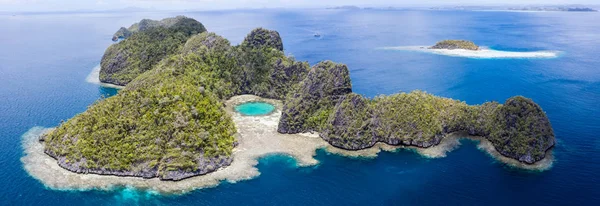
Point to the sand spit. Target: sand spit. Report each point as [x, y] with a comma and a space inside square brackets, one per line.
[257, 137]
[483, 53]
[94, 78]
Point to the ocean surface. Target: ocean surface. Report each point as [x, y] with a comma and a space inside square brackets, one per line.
[45, 58]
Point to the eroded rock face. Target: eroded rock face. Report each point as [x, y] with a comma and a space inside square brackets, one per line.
[350, 125]
[206, 42]
[145, 45]
[311, 103]
[143, 170]
[172, 22]
[399, 119]
[521, 130]
[263, 38]
[122, 33]
[284, 75]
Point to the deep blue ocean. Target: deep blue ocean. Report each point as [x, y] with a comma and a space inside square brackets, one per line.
[45, 58]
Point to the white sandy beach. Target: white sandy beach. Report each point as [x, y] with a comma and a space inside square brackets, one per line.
[483, 53]
[257, 137]
[94, 78]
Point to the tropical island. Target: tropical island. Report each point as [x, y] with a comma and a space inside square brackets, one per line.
[455, 44]
[174, 119]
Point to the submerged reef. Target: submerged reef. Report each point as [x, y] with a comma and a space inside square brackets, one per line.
[170, 121]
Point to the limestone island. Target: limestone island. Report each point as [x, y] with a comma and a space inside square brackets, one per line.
[174, 118]
[455, 44]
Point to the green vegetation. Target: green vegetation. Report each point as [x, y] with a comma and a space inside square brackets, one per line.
[180, 23]
[124, 61]
[173, 124]
[309, 105]
[521, 129]
[350, 124]
[205, 43]
[323, 102]
[455, 44]
[169, 121]
[122, 33]
[260, 37]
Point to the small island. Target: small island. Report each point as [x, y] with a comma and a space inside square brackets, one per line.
[174, 119]
[455, 44]
[528, 8]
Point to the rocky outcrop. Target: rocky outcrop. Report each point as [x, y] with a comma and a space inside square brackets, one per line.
[204, 43]
[169, 127]
[122, 33]
[521, 130]
[172, 22]
[455, 44]
[285, 73]
[323, 102]
[400, 119]
[309, 106]
[351, 124]
[143, 170]
[261, 38]
[148, 42]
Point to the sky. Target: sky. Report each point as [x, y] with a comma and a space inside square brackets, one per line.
[70, 5]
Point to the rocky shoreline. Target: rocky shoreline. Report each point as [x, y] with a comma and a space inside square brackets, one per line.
[323, 102]
[175, 119]
[213, 165]
[257, 137]
[94, 78]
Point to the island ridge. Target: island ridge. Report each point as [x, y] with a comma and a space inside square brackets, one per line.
[170, 121]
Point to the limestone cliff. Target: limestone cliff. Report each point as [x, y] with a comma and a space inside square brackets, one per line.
[308, 107]
[323, 102]
[148, 43]
[145, 24]
[263, 38]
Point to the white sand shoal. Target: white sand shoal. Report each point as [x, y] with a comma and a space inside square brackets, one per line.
[483, 53]
[94, 78]
[257, 137]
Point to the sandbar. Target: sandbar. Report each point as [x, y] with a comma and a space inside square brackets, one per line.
[483, 53]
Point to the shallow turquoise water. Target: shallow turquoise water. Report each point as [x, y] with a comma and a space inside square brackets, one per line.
[45, 58]
[254, 108]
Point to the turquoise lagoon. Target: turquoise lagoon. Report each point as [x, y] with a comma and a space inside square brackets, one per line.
[254, 108]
